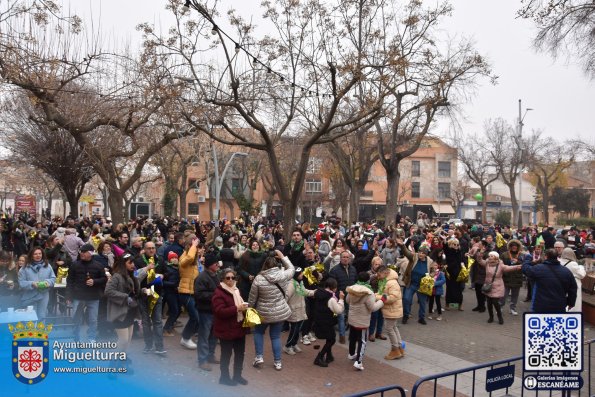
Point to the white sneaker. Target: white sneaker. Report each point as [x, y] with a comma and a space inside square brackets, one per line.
[306, 340]
[439, 318]
[359, 366]
[350, 357]
[312, 337]
[429, 318]
[297, 349]
[188, 344]
[278, 365]
[514, 312]
[258, 361]
[289, 350]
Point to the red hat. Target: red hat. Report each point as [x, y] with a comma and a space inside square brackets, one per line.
[322, 226]
[172, 255]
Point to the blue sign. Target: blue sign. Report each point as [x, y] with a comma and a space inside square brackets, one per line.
[499, 378]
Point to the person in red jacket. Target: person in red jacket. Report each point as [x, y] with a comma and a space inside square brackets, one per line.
[228, 315]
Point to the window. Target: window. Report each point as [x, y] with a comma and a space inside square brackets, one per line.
[415, 168]
[367, 193]
[192, 208]
[415, 189]
[313, 186]
[443, 190]
[444, 169]
[236, 185]
[193, 183]
[314, 164]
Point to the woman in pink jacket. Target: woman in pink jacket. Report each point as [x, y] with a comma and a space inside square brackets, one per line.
[494, 269]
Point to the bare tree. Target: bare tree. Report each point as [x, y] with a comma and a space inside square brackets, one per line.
[425, 80]
[52, 150]
[117, 107]
[284, 93]
[564, 26]
[478, 165]
[546, 169]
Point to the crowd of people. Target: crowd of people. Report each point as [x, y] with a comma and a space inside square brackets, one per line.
[329, 280]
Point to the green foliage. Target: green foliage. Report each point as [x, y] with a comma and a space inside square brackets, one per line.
[571, 201]
[503, 218]
[579, 222]
[245, 204]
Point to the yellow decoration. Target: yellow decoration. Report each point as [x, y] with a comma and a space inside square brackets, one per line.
[312, 279]
[62, 275]
[153, 296]
[500, 242]
[251, 318]
[426, 285]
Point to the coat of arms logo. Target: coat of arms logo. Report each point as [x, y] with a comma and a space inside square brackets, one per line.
[30, 351]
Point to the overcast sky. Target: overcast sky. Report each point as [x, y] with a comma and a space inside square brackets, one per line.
[562, 97]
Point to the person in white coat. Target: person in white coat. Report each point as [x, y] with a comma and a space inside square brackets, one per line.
[568, 259]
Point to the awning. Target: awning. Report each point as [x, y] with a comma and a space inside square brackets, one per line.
[443, 209]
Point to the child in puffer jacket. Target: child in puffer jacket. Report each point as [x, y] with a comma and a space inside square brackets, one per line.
[437, 292]
[362, 301]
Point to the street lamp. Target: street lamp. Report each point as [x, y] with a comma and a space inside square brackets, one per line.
[218, 180]
[521, 118]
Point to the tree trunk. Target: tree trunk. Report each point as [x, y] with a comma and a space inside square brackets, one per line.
[393, 176]
[515, 206]
[183, 204]
[545, 197]
[116, 206]
[289, 212]
[354, 199]
[73, 202]
[484, 204]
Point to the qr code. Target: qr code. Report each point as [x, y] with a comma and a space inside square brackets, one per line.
[553, 342]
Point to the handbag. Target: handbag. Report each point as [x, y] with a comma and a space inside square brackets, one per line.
[487, 287]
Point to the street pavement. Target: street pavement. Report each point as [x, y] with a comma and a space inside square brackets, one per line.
[461, 339]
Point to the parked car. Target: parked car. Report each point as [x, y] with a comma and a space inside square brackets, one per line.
[455, 221]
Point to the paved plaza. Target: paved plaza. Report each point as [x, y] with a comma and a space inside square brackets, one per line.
[461, 339]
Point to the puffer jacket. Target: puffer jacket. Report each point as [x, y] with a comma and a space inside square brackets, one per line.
[297, 302]
[393, 307]
[267, 298]
[362, 303]
[188, 271]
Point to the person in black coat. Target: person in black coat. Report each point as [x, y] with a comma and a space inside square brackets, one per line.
[171, 280]
[295, 249]
[84, 286]
[346, 275]
[204, 288]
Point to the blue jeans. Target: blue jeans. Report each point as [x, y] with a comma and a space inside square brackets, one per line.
[191, 327]
[275, 334]
[408, 301]
[152, 324]
[206, 340]
[78, 308]
[341, 320]
[376, 323]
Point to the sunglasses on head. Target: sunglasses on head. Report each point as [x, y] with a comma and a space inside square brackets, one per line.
[126, 256]
[230, 277]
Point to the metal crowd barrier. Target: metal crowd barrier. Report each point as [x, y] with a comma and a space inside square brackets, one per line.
[380, 390]
[586, 374]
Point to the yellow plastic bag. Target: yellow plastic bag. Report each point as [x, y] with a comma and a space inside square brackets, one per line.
[251, 318]
[463, 276]
[426, 285]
